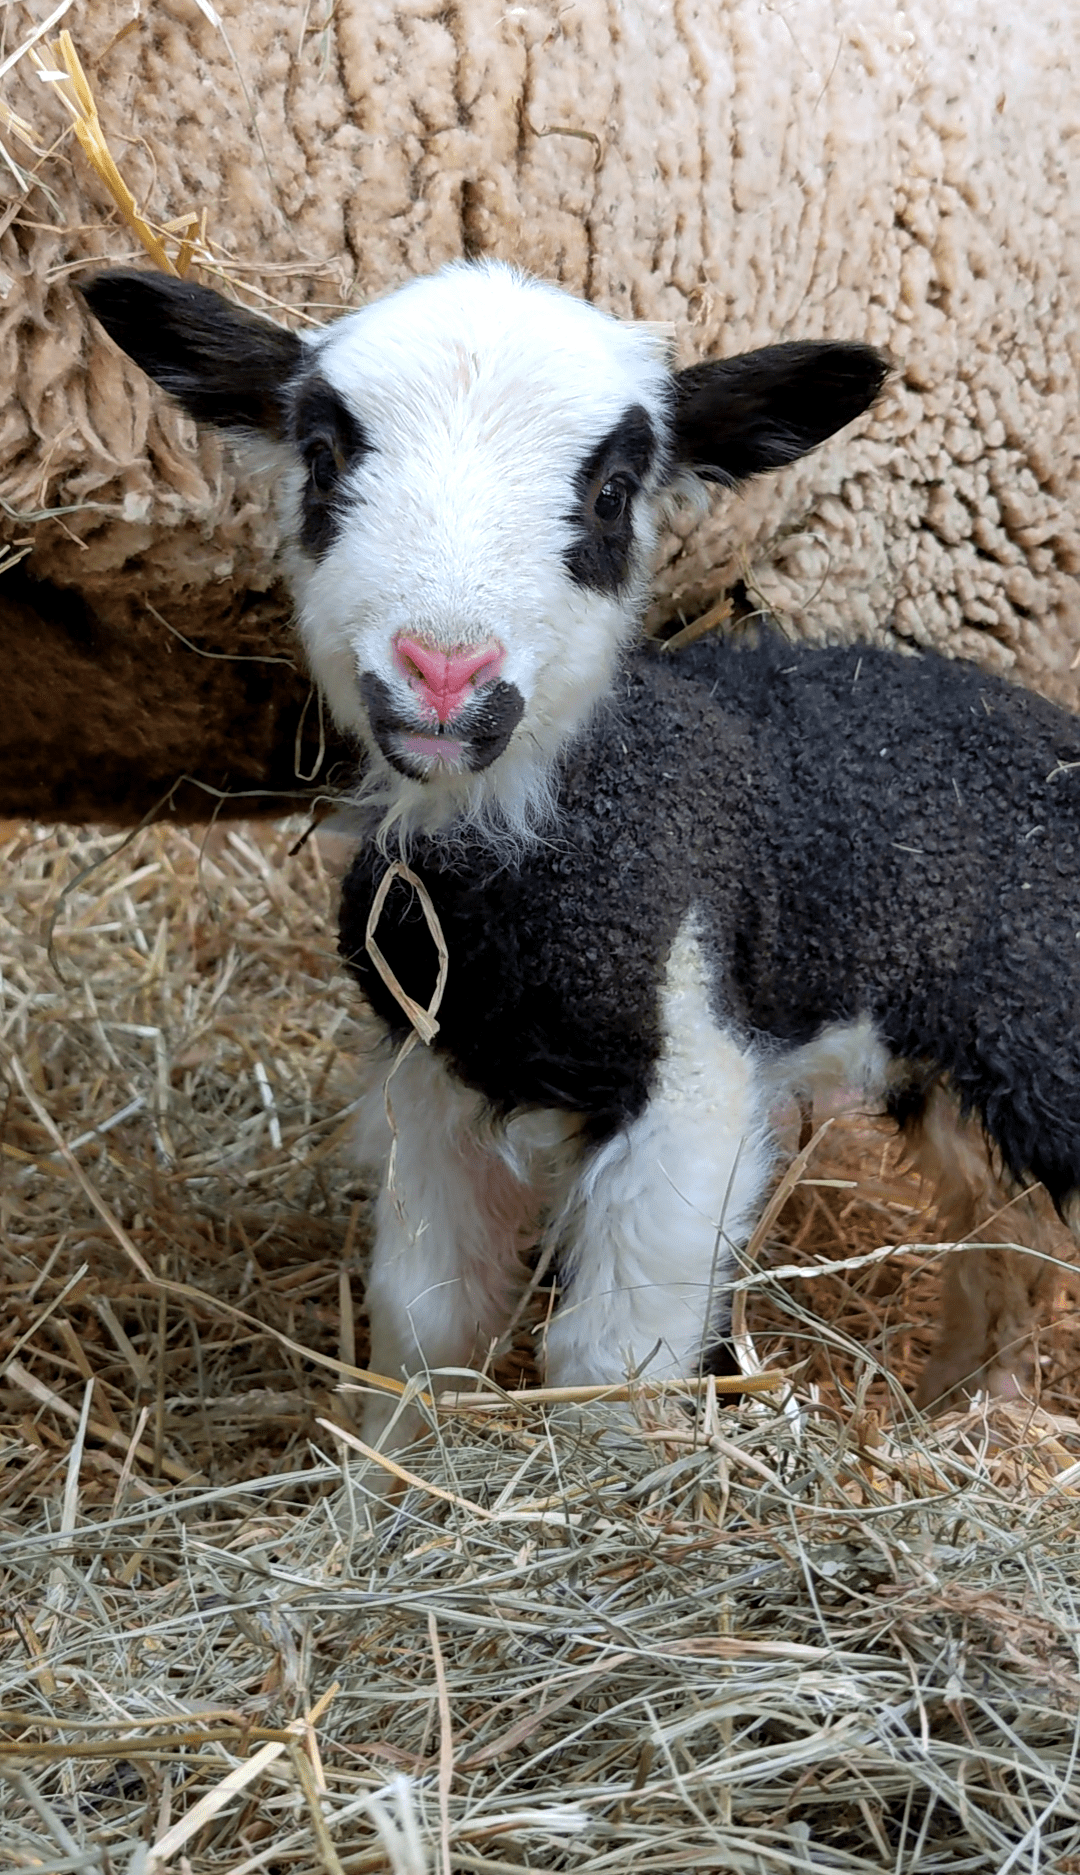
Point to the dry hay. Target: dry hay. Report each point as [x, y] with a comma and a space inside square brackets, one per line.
[858, 1195]
[825, 1637]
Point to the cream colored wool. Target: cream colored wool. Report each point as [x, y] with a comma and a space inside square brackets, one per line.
[750, 171]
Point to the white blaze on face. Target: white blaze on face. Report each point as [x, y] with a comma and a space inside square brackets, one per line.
[481, 397]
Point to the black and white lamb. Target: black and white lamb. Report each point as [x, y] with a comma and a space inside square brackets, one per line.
[674, 890]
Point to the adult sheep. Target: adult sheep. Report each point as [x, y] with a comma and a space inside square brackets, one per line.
[745, 171]
[672, 892]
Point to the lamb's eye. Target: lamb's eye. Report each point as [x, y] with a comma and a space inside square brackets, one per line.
[323, 466]
[610, 503]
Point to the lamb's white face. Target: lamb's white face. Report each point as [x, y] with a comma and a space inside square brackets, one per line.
[472, 511]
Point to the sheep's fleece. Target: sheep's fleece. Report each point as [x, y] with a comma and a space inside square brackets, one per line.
[748, 169]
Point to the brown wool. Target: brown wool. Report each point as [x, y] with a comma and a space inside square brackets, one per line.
[856, 173]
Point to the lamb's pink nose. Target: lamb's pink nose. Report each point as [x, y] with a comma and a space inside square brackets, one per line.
[444, 680]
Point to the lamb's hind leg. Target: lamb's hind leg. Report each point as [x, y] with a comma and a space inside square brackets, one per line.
[992, 1297]
[453, 1220]
[648, 1231]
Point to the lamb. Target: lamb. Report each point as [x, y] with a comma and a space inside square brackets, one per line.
[673, 891]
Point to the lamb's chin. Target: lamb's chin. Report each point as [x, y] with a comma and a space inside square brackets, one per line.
[505, 807]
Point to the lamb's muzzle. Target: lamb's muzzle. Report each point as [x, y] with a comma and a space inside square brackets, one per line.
[474, 736]
[465, 715]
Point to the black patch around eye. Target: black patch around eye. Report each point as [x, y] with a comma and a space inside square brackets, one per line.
[598, 557]
[330, 441]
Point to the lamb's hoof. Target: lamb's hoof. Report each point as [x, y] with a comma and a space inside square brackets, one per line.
[390, 1429]
[949, 1385]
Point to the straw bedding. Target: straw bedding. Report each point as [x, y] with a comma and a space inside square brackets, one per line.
[821, 1637]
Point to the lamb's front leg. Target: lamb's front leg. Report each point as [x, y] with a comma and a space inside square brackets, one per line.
[452, 1223]
[649, 1231]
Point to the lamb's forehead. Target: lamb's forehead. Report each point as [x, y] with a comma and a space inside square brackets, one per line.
[491, 341]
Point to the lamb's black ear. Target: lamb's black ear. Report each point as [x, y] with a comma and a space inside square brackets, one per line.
[227, 366]
[735, 417]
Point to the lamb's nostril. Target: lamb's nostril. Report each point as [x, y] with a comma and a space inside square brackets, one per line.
[488, 670]
[445, 680]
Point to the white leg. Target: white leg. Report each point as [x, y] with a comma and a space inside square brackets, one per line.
[453, 1219]
[648, 1232]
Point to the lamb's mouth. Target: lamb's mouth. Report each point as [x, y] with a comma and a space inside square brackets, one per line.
[425, 751]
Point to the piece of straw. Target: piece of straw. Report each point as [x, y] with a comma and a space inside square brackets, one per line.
[60, 66]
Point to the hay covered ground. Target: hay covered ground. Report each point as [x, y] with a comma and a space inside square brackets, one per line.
[820, 1638]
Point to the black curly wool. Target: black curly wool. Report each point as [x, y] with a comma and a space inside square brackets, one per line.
[863, 834]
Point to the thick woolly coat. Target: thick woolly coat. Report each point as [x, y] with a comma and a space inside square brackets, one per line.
[862, 835]
[746, 171]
